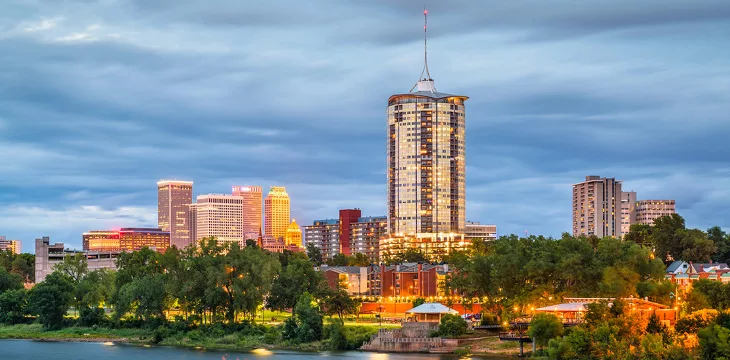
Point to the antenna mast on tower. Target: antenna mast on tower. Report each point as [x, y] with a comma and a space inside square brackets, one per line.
[425, 78]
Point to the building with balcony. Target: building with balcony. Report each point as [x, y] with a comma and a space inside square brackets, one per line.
[48, 255]
[477, 231]
[597, 207]
[14, 246]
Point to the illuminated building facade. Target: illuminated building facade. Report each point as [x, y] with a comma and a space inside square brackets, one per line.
[293, 235]
[597, 207]
[365, 236]
[48, 255]
[173, 200]
[426, 157]
[628, 211]
[252, 214]
[126, 239]
[13, 246]
[219, 216]
[649, 210]
[277, 210]
[477, 231]
[324, 235]
[434, 246]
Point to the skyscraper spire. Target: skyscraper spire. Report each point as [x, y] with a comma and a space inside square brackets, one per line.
[425, 82]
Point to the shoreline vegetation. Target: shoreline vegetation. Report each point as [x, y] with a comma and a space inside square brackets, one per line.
[479, 344]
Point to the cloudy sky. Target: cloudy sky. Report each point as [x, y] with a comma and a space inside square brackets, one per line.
[100, 99]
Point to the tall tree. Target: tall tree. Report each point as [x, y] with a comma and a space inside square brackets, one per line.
[51, 299]
[314, 254]
[722, 242]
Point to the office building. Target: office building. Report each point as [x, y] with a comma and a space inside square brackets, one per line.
[293, 235]
[219, 216]
[48, 255]
[628, 211]
[252, 214]
[365, 236]
[126, 239]
[477, 231]
[277, 210]
[325, 235]
[14, 246]
[649, 210]
[597, 207]
[347, 218]
[173, 200]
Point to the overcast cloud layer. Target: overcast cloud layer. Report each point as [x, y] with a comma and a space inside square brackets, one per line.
[100, 99]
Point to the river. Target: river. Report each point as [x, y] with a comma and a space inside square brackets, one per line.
[28, 349]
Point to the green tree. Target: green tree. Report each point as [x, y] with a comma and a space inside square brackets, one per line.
[314, 254]
[451, 326]
[340, 303]
[9, 281]
[24, 265]
[418, 302]
[13, 306]
[359, 259]
[51, 299]
[339, 260]
[722, 241]
[307, 324]
[714, 342]
[654, 326]
[296, 279]
[544, 327]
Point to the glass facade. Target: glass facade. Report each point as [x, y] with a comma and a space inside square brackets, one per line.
[126, 239]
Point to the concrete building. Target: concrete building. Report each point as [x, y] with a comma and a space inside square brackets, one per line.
[252, 214]
[628, 211]
[219, 216]
[649, 210]
[173, 200]
[126, 239]
[477, 231]
[14, 246]
[48, 255]
[293, 235]
[365, 235]
[347, 218]
[354, 279]
[325, 235]
[597, 207]
[277, 209]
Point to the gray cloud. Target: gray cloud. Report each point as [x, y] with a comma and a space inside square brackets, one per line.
[99, 99]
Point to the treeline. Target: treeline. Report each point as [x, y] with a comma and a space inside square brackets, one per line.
[213, 284]
[22, 265]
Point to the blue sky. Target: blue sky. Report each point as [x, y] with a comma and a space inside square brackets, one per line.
[100, 99]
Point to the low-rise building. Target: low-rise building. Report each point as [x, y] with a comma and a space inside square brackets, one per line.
[126, 239]
[683, 273]
[48, 255]
[354, 279]
[407, 280]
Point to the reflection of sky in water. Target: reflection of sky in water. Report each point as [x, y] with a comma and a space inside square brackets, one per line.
[24, 349]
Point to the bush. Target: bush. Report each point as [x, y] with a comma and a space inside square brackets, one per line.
[544, 327]
[489, 319]
[337, 338]
[160, 334]
[13, 306]
[91, 317]
[272, 335]
[451, 326]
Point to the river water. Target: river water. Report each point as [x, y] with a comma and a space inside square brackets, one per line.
[27, 349]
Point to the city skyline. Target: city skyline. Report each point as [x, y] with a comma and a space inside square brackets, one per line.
[555, 94]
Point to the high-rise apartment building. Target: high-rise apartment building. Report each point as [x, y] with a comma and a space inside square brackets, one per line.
[325, 235]
[597, 207]
[426, 157]
[293, 235]
[252, 214]
[476, 231]
[649, 210]
[277, 210]
[14, 246]
[347, 218]
[219, 216]
[628, 213]
[126, 239]
[173, 200]
[365, 235]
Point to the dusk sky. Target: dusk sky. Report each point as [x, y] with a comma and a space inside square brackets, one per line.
[101, 99]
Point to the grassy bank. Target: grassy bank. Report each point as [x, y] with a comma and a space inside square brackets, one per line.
[214, 337]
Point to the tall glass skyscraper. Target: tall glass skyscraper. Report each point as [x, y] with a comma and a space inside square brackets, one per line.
[173, 206]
